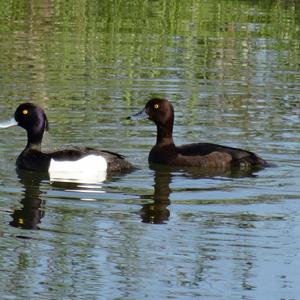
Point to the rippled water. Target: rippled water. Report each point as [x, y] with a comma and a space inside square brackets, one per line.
[231, 70]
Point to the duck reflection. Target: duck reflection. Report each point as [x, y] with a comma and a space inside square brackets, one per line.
[32, 211]
[158, 212]
[30, 215]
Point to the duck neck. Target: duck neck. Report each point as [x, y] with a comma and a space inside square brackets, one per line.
[34, 140]
[164, 134]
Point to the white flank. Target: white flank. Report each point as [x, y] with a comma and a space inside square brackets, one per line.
[89, 169]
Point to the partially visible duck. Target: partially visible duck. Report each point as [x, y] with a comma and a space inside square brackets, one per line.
[87, 162]
[202, 155]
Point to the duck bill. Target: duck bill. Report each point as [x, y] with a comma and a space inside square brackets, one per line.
[139, 116]
[9, 123]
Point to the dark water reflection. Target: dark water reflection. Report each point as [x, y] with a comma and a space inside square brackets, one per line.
[158, 212]
[30, 214]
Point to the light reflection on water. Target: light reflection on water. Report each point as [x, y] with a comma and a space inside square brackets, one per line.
[210, 225]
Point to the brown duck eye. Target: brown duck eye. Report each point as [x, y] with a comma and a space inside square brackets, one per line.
[25, 112]
[156, 106]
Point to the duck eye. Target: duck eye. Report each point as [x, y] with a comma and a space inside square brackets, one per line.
[25, 112]
[156, 106]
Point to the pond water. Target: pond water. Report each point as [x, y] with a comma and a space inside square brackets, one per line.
[232, 72]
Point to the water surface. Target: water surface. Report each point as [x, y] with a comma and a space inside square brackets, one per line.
[231, 70]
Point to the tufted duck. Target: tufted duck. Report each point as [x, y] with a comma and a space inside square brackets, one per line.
[87, 162]
[203, 155]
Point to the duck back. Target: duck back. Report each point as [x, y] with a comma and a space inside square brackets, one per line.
[239, 157]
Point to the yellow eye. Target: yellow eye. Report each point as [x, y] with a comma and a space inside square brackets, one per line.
[156, 106]
[25, 112]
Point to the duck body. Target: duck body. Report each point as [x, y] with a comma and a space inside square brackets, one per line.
[201, 155]
[32, 159]
[82, 160]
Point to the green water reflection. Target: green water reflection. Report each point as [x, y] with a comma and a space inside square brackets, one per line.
[50, 44]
